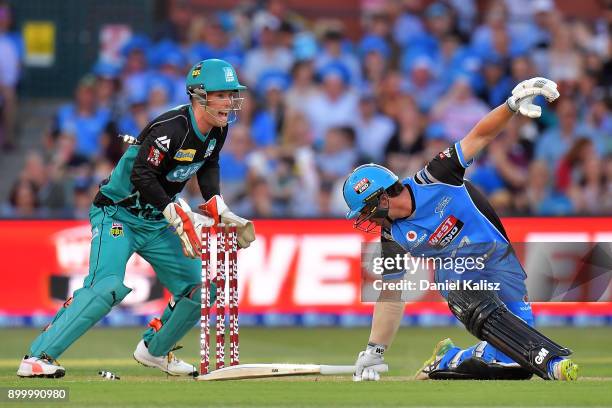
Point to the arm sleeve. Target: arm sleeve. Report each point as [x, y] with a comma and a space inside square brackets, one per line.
[447, 167]
[209, 175]
[390, 249]
[152, 156]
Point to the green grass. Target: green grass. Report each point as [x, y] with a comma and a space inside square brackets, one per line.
[111, 349]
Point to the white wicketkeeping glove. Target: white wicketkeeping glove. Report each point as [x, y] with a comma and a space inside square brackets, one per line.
[187, 225]
[218, 210]
[522, 96]
[370, 363]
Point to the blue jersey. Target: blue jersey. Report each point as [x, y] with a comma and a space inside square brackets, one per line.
[452, 219]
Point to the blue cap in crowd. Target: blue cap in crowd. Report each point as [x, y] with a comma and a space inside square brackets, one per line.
[305, 46]
[374, 43]
[435, 131]
[336, 69]
[272, 80]
[137, 42]
[436, 9]
[166, 52]
[105, 69]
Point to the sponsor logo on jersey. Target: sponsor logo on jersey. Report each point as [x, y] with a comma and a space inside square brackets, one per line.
[116, 230]
[445, 233]
[411, 236]
[446, 153]
[417, 242]
[155, 156]
[229, 74]
[183, 173]
[210, 148]
[362, 185]
[442, 204]
[163, 142]
[185, 155]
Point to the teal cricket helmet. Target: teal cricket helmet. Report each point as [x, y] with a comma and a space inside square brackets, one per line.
[213, 75]
[365, 183]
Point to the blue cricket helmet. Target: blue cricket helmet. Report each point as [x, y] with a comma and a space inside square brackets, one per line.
[364, 183]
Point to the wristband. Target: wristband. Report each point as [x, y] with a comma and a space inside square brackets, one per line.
[376, 348]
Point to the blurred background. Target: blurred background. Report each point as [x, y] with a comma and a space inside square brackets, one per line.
[331, 85]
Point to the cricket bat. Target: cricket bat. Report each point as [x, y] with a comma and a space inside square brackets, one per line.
[245, 371]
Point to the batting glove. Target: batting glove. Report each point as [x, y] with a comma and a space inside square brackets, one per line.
[522, 96]
[370, 363]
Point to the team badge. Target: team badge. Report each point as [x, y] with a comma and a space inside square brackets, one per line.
[229, 74]
[155, 156]
[185, 155]
[196, 70]
[116, 230]
[362, 185]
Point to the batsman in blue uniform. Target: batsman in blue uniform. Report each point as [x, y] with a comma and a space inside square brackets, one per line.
[437, 214]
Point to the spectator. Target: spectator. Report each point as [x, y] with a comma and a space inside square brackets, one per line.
[22, 201]
[258, 202]
[335, 52]
[233, 163]
[339, 155]
[403, 152]
[10, 66]
[459, 110]
[107, 88]
[268, 120]
[422, 85]
[539, 198]
[303, 89]
[268, 55]
[606, 202]
[556, 141]
[337, 104]
[212, 38]
[497, 85]
[297, 142]
[408, 25]
[84, 119]
[373, 129]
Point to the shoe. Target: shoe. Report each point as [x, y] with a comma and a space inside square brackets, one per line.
[432, 363]
[43, 366]
[168, 363]
[565, 370]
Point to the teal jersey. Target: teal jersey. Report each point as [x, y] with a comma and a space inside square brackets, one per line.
[167, 153]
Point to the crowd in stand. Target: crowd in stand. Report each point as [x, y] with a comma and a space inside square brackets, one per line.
[417, 80]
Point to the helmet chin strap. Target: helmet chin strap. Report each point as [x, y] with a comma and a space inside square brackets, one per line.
[213, 113]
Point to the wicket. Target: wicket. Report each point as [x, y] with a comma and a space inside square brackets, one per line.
[227, 247]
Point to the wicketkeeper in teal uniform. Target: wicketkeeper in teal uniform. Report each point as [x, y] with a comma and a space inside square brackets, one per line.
[137, 210]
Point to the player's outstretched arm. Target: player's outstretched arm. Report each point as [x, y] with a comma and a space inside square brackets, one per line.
[520, 101]
[386, 320]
